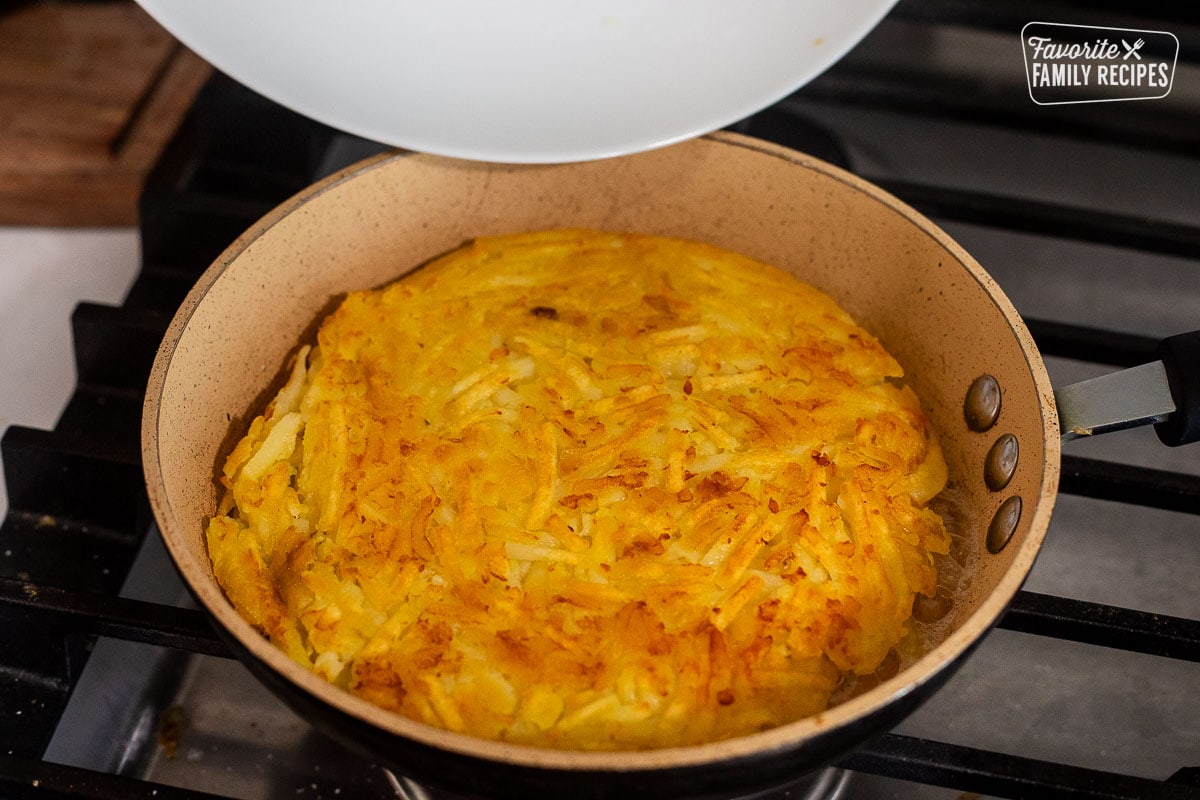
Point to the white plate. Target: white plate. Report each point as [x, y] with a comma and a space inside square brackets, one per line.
[530, 81]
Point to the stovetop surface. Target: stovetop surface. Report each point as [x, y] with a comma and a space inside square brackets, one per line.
[1107, 709]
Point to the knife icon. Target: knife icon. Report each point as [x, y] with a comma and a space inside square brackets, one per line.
[1132, 50]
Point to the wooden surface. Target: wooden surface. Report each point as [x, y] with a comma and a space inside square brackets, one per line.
[89, 95]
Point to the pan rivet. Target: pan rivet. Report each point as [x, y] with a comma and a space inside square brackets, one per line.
[981, 409]
[1004, 524]
[931, 609]
[1001, 462]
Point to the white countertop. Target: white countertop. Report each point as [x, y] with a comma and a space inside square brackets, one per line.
[44, 273]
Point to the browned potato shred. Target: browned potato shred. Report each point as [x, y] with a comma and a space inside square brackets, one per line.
[586, 490]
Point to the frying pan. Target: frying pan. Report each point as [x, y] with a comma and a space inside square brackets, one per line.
[931, 304]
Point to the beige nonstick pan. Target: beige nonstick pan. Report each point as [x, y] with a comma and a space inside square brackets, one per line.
[963, 346]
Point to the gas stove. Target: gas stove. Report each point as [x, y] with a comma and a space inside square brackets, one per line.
[113, 685]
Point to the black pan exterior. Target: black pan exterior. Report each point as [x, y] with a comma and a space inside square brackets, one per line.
[472, 776]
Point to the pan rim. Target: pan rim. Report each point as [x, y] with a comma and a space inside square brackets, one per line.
[779, 739]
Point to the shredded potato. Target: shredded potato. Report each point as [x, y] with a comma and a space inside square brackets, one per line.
[589, 491]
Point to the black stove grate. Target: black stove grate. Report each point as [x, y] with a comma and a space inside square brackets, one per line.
[78, 510]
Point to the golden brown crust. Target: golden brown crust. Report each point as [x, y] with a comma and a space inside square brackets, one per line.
[587, 490]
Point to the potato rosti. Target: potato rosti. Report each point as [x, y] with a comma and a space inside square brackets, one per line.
[586, 490]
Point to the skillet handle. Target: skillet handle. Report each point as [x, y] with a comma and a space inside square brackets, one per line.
[1180, 356]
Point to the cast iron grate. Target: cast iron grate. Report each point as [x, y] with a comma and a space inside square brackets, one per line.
[78, 511]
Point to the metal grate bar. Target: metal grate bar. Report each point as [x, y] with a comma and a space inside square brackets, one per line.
[1178, 15]
[133, 620]
[189, 629]
[1103, 625]
[963, 101]
[1023, 215]
[1125, 483]
[64, 480]
[115, 347]
[1000, 774]
[1097, 345]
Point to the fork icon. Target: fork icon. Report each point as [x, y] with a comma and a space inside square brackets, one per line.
[1133, 51]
